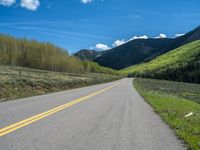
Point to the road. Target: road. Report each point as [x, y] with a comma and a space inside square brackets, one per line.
[109, 116]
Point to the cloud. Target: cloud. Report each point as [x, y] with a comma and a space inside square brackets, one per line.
[139, 37]
[161, 36]
[102, 47]
[86, 1]
[89, 1]
[123, 41]
[69, 33]
[119, 42]
[30, 4]
[55, 35]
[7, 2]
[179, 34]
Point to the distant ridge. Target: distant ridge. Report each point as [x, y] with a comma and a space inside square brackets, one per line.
[138, 51]
[90, 55]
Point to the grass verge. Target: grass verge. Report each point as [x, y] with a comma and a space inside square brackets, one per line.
[37, 82]
[172, 108]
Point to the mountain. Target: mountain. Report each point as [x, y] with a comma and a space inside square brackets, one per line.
[139, 50]
[88, 54]
[181, 64]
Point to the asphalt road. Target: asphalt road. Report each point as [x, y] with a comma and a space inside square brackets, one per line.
[115, 118]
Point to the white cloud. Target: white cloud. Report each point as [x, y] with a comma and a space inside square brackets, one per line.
[86, 1]
[161, 36]
[119, 42]
[7, 2]
[102, 47]
[123, 41]
[139, 37]
[179, 34]
[30, 4]
[89, 1]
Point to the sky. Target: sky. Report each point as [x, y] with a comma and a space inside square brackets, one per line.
[97, 24]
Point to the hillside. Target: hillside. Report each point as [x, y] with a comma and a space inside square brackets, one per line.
[181, 64]
[88, 54]
[141, 50]
[45, 56]
[18, 82]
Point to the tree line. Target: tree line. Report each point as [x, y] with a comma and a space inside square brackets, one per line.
[181, 64]
[185, 72]
[43, 55]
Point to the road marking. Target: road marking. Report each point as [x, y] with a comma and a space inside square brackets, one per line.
[25, 122]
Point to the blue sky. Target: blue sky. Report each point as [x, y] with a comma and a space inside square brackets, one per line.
[97, 24]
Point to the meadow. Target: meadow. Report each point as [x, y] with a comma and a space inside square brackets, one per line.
[19, 82]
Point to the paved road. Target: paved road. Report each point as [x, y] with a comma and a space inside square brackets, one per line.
[115, 118]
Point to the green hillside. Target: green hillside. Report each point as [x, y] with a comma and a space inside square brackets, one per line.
[181, 64]
[44, 56]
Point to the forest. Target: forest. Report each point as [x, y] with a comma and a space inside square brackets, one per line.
[43, 55]
[181, 64]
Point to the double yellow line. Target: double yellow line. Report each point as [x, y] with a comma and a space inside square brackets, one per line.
[18, 125]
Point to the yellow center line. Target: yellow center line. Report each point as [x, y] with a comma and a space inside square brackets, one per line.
[25, 122]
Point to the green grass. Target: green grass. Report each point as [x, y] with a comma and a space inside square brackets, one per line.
[183, 90]
[36, 82]
[173, 106]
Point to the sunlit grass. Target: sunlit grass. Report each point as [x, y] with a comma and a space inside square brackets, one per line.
[172, 108]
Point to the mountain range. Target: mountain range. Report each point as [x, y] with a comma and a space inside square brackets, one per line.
[137, 51]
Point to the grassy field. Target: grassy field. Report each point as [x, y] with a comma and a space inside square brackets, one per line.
[36, 82]
[173, 101]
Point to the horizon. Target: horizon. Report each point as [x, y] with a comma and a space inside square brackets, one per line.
[45, 21]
